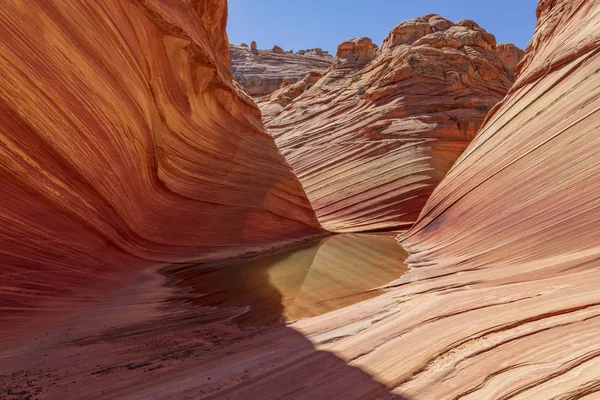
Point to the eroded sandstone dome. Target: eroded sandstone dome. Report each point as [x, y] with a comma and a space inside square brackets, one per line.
[372, 138]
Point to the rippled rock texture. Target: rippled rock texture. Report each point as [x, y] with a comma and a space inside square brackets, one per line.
[261, 72]
[274, 103]
[375, 135]
[124, 142]
[508, 245]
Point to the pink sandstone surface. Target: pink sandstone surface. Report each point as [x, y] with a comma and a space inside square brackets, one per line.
[374, 136]
[501, 302]
[125, 142]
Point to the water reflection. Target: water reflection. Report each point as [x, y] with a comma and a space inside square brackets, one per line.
[303, 282]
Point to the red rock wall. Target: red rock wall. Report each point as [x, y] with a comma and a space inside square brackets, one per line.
[124, 142]
[508, 246]
[373, 137]
[527, 187]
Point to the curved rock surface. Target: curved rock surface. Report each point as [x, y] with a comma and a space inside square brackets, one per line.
[124, 142]
[509, 240]
[502, 302]
[261, 72]
[373, 137]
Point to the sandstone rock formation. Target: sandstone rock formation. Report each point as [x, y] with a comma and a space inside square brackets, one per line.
[510, 55]
[357, 52]
[279, 99]
[509, 241]
[288, 80]
[502, 302]
[314, 52]
[124, 142]
[262, 72]
[373, 137]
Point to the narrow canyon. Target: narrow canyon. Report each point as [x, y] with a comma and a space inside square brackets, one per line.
[185, 218]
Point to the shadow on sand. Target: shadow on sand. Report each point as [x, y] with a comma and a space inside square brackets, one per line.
[277, 361]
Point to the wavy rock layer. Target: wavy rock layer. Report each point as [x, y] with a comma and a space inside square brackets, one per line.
[509, 241]
[124, 142]
[261, 72]
[373, 137]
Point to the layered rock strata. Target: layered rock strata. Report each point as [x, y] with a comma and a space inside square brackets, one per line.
[373, 137]
[274, 103]
[125, 142]
[502, 302]
[508, 244]
[261, 72]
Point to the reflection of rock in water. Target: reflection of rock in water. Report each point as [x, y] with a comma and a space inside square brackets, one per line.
[304, 282]
[345, 270]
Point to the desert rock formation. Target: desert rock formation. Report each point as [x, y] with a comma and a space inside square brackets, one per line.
[125, 142]
[357, 52]
[274, 103]
[261, 72]
[509, 241]
[373, 137]
[278, 50]
[510, 55]
[317, 51]
[502, 301]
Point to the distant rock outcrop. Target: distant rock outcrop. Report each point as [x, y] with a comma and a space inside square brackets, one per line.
[357, 52]
[510, 55]
[373, 137]
[262, 72]
[314, 52]
[274, 103]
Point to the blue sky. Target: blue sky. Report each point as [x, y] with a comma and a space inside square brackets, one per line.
[300, 24]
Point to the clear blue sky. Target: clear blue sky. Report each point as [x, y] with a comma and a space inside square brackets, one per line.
[301, 24]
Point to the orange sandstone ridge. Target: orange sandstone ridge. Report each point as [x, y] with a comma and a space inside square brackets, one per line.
[124, 142]
[502, 302]
[374, 136]
[509, 241]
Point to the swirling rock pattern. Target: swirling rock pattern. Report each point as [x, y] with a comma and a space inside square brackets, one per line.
[261, 72]
[509, 241]
[125, 142]
[373, 137]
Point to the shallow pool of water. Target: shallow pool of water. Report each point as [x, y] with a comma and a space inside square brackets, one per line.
[306, 281]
